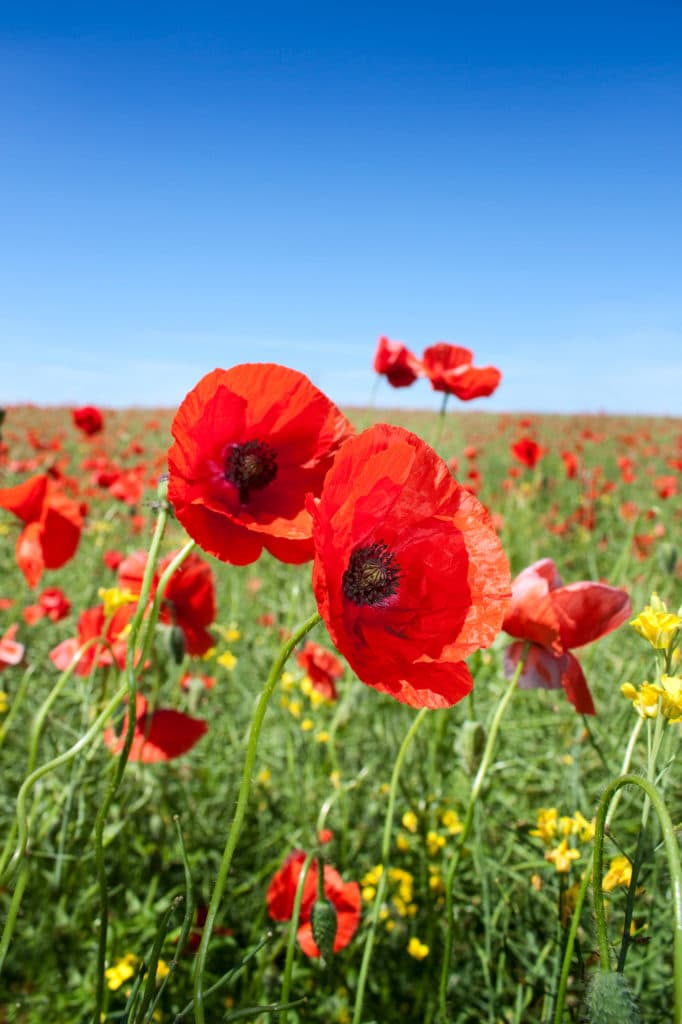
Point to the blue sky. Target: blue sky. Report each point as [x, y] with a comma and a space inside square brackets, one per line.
[189, 186]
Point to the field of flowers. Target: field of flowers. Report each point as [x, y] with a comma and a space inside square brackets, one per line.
[312, 814]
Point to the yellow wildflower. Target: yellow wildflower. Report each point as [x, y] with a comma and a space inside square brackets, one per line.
[562, 856]
[294, 708]
[162, 969]
[4, 703]
[656, 624]
[410, 821]
[4, 529]
[548, 818]
[307, 724]
[651, 698]
[417, 949]
[368, 893]
[583, 828]
[619, 873]
[287, 681]
[227, 660]
[565, 825]
[450, 820]
[264, 776]
[123, 970]
[322, 736]
[536, 881]
[112, 598]
[402, 842]
[373, 875]
[434, 843]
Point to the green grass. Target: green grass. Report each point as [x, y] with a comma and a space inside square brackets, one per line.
[508, 936]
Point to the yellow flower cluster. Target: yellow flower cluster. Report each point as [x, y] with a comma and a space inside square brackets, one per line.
[112, 598]
[4, 703]
[551, 826]
[402, 899]
[657, 625]
[619, 873]
[651, 698]
[125, 968]
[417, 949]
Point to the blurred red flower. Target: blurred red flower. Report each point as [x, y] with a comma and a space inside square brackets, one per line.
[450, 369]
[88, 419]
[666, 486]
[570, 461]
[409, 574]
[112, 559]
[94, 624]
[345, 897]
[556, 618]
[159, 736]
[321, 667]
[11, 651]
[527, 451]
[52, 604]
[250, 442]
[52, 529]
[189, 599]
[395, 361]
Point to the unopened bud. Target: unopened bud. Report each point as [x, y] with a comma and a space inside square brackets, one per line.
[610, 1001]
[471, 745]
[324, 922]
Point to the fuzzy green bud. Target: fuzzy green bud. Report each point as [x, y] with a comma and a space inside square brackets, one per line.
[176, 644]
[471, 746]
[323, 920]
[609, 1000]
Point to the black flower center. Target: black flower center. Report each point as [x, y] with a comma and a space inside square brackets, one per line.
[250, 467]
[372, 575]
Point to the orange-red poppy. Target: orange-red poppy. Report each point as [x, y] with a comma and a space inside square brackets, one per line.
[250, 443]
[161, 735]
[88, 419]
[94, 624]
[394, 361]
[450, 369]
[556, 618]
[344, 896]
[527, 451]
[52, 604]
[409, 574]
[322, 668]
[53, 524]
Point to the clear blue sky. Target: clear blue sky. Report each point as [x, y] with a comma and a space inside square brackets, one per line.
[184, 186]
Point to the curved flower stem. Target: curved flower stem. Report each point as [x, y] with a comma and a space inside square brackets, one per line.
[131, 681]
[672, 853]
[293, 928]
[10, 921]
[16, 702]
[240, 811]
[570, 943]
[476, 787]
[385, 851]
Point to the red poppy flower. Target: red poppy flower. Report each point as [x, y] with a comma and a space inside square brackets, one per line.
[527, 451]
[160, 736]
[250, 442]
[53, 525]
[409, 574]
[52, 604]
[666, 486]
[88, 419]
[92, 623]
[570, 460]
[11, 651]
[112, 559]
[321, 667]
[189, 600]
[450, 369]
[395, 361]
[345, 897]
[555, 619]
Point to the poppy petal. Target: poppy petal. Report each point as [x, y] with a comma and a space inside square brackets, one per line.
[588, 611]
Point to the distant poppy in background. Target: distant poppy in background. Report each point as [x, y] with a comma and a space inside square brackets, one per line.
[321, 667]
[409, 574]
[189, 599]
[11, 651]
[450, 369]
[93, 623]
[52, 604]
[527, 451]
[394, 361]
[53, 524]
[570, 461]
[160, 736]
[88, 419]
[250, 443]
[344, 896]
[556, 618]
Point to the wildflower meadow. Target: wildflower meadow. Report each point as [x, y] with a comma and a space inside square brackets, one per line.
[340, 716]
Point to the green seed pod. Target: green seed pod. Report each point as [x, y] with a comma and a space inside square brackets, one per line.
[667, 557]
[324, 924]
[176, 644]
[609, 1000]
[471, 744]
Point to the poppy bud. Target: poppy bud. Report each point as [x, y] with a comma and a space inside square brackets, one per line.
[610, 1001]
[471, 744]
[176, 644]
[323, 920]
[667, 557]
[162, 487]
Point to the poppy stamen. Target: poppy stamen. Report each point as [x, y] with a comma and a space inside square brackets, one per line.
[372, 575]
[250, 467]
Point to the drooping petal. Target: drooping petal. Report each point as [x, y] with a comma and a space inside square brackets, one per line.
[588, 611]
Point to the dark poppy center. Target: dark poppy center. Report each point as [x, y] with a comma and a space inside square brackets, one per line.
[372, 575]
[250, 467]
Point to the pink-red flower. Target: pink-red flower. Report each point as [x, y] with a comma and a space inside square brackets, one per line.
[52, 529]
[395, 361]
[11, 651]
[188, 601]
[344, 896]
[409, 574]
[450, 368]
[52, 604]
[322, 668]
[160, 735]
[94, 625]
[555, 619]
[250, 443]
[88, 419]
